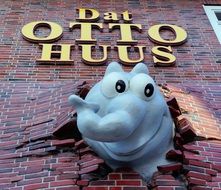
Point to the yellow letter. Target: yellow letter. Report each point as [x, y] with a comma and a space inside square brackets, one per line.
[86, 31]
[124, 58]
[180, 33]
[28, 31]
[125, 30]
[110, 17]
[56, 52]
[162, 56]
[94, 15]
[127, 16]
[87, 51]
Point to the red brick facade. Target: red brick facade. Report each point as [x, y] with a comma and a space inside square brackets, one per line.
[39, 146]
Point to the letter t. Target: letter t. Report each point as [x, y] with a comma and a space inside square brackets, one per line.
[86, 36]
[125, 30]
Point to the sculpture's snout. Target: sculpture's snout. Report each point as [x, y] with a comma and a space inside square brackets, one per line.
[81, 104]
[121, 119]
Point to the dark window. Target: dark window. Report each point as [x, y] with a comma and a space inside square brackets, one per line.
[218, 15]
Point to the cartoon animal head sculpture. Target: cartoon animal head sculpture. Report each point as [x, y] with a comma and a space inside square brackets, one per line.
[125, 119]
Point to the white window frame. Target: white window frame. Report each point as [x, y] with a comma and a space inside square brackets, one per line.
[216, 24]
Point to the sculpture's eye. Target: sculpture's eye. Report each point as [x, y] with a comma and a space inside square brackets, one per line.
[120, 86]
[143, 86]
[113, 84]
[149, 90]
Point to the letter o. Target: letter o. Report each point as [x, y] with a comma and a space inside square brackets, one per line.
[154, 34]
[29, 29]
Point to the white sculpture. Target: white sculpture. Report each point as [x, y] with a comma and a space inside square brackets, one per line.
[125, 119]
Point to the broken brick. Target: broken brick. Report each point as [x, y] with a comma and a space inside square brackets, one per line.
[174, 155]
[170, 167]
[186, 130]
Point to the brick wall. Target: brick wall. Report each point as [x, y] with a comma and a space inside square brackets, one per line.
[34, 108]
[197, 60]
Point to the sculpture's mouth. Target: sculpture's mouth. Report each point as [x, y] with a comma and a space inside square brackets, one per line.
[132, 152]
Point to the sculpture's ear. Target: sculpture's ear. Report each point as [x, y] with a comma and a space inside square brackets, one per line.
[113, 67]
[140, 68]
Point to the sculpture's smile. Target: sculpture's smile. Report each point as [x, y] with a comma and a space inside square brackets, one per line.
[125, 152]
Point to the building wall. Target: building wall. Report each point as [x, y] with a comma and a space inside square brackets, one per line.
[198, 59]
[33, 96]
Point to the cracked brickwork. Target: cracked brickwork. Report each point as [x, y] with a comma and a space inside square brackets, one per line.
[40, 146]
[38, 154]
